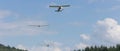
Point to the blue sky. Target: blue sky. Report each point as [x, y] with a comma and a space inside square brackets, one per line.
[84, 23]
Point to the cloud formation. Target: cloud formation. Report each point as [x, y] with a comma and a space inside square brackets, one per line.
[22, 27]
[85, 37]
[45, 49]
[21, 47]
[108, 29]
[10, 27]
[81, 46]
[54, 46]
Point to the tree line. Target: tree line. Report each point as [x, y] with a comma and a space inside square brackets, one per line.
[90, 48]
[8, 48]
[101, 48]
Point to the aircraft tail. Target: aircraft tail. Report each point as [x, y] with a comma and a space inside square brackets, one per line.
[58, 10]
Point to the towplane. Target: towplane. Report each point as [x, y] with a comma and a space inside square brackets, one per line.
[60, 7]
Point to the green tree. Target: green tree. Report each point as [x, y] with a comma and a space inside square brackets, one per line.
[8, 48]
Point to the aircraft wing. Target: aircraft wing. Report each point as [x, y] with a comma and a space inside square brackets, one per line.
[33, 25]
[65, 5]
[38, 25]
[53, 6]
[44, 25]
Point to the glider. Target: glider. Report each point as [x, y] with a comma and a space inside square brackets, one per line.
[38, 25]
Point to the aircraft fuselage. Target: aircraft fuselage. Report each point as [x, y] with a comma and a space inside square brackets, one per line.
[59, 9]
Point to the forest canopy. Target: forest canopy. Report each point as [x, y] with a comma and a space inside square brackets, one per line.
[101, 48]
[8, 48]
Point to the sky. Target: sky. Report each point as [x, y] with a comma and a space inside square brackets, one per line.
[84, 23]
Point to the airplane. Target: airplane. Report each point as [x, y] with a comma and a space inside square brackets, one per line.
[38, 25]
[47, 45]
[60, 7]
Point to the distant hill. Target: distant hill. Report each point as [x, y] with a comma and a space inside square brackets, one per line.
[8, 48]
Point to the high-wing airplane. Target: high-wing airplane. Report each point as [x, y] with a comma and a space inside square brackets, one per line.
[60, 7]
[38, 25]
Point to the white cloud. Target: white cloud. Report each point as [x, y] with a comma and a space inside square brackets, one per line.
[21, 47]
[10, 25]
[39, 48]
[23, 28]
[85, 37]
[81, 46]
[108, 29]
[57, 49]
[45, 48]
